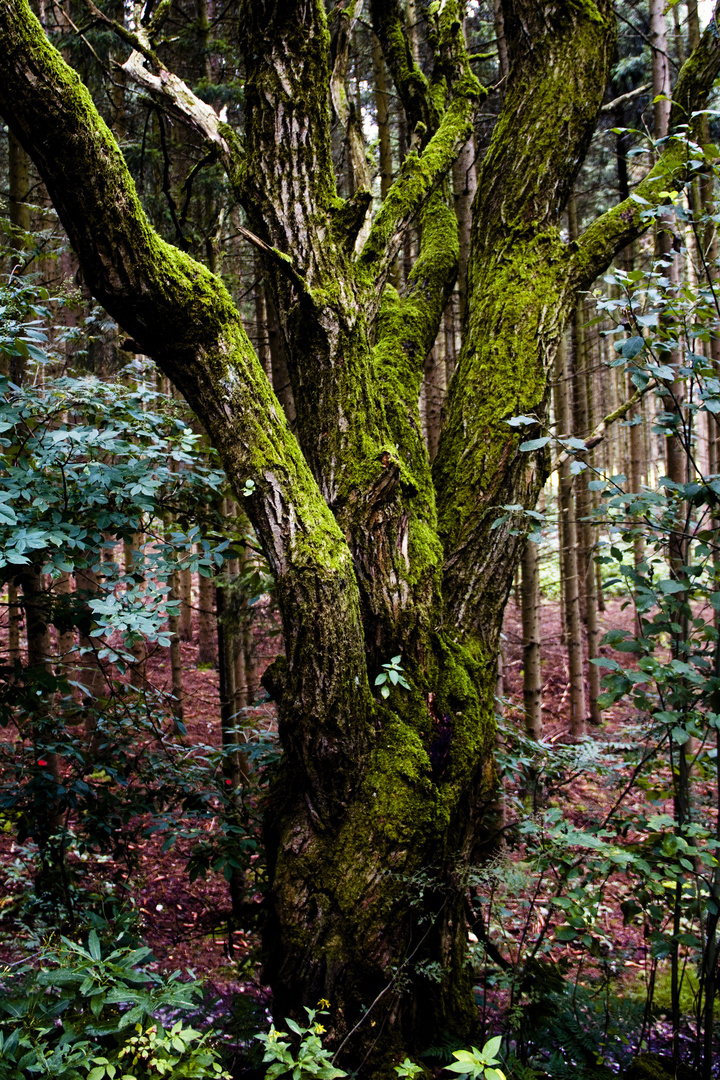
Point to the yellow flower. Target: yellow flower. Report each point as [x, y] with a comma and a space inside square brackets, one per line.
[319, 1029]
[323, 1003]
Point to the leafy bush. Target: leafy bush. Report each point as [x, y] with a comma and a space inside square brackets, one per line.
[84, 1012]
[310, 1059]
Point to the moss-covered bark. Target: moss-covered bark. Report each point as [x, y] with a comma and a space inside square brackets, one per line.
[377, 808]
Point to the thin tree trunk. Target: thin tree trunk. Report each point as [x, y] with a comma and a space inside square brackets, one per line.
[66, 638]
[235, 763]
[185, 619]
[675, 455]
[583, 502]
[573, 629]
[382, 109]
[207, 647]
[413, 24]
[261, 321]
[464, 188]
[13, 623]
[280, 373]
[18, 190]
[91, 673]
[503, 60]
[20, 220]
[176, 663]
[133, 562]
[532, 674]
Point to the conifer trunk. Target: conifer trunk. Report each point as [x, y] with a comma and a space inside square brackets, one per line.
[532, 676]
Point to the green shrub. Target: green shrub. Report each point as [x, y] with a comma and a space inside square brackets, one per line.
[85, 1012]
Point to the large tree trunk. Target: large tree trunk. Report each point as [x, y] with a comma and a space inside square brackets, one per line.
[379, 805]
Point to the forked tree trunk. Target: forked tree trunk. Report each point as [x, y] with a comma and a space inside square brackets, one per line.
[378, 805]
[19, 212]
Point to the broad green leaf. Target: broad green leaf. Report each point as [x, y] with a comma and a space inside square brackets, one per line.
[94, 945]
[632, 347]
[535, 444]
[492, 1046]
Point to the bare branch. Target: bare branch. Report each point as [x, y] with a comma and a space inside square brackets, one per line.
[623, 99]
[169, 91]
[600, 431]
[278, 257]
[138, 42]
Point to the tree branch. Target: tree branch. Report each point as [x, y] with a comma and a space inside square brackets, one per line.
[138, 42]
[517, 275]
[615, 229]
[412, 86]
[419, 177]
[623, 99]
[450, 129]
[181, 315]
[598, 434]
[170, 92]
[407, 326]
[279, 258]
[344, 111]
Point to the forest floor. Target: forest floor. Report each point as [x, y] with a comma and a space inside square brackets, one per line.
[187, 924]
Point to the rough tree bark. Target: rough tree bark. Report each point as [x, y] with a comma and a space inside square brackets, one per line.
[377, 807]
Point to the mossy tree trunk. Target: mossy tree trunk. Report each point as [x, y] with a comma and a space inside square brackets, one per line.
[378, 806]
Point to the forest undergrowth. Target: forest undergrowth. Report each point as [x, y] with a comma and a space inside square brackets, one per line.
[608, 995]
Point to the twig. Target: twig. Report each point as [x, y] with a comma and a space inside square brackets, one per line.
[134, 40]
[623, 99]
[284, 262]
[598, 434]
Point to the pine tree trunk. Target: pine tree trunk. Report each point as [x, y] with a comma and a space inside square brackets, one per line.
[176, 662]
[133, 560]
[207, 647]
[382, 111]
[185, 593]
[532, 675]
[570, 571]
[464, 187]
[503, 60]
[13, 623]
[261, 321]
[91, 673]
[66, 638]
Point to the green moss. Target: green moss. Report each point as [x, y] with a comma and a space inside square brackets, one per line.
[419, 175]
[513, 327]
[662, 991]
[614, 229]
